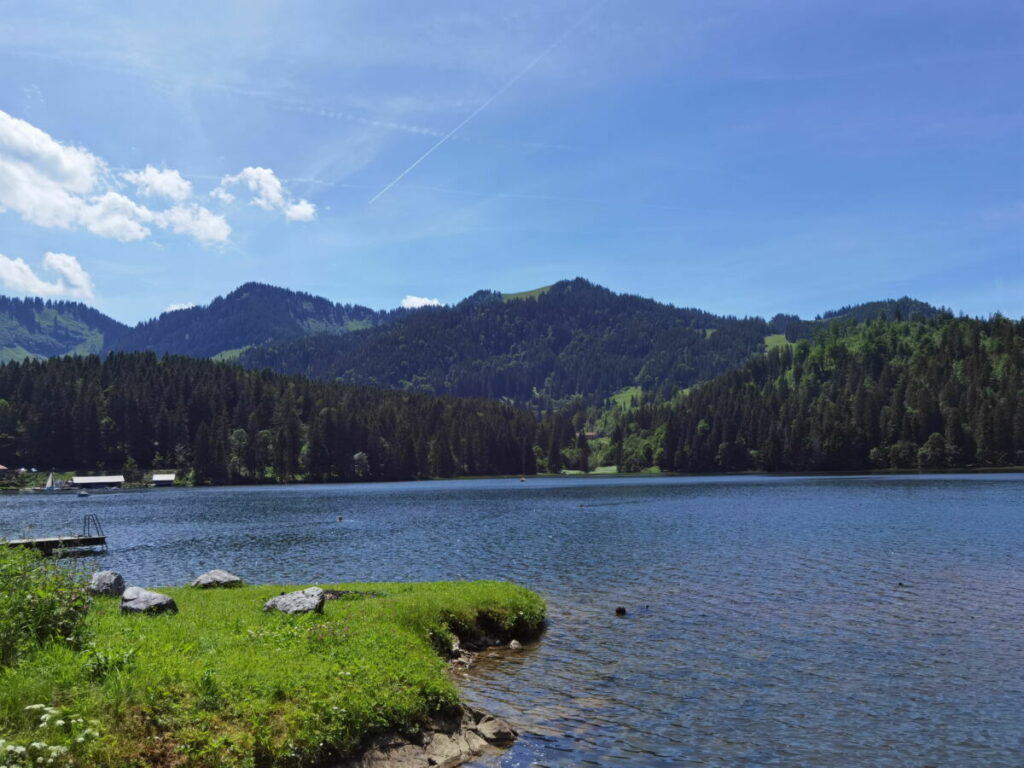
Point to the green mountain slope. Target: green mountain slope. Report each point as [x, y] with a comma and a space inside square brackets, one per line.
[541, 347]
[36, 329]
[944, 392]
[250, 315]
[573, 338]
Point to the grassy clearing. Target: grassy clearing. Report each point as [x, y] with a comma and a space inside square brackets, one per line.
[224, 684]
[526, 294]
[624, 397]
[776, 340]
[229, 355]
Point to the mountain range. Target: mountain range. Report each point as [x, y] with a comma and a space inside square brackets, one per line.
[539, 347]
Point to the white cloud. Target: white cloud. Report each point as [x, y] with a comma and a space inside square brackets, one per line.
[71, 280]
[223, 195]
[267, 193]
[415, 302]
[176, 307]
[54, 185]
[300, 211]
[114, 215]
[21, 143]
[42, 179]
[51, 184]
[201, 223]
[152, 182]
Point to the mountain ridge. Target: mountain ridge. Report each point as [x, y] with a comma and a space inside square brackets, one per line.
[571, 338]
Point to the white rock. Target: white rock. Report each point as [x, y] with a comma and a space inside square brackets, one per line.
[303, 601]
[139, 600]
[107, 583]
[216, 578]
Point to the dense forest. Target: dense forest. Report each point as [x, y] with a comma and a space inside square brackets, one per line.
[573, 338]
[611, 380]
[225, 424]
[250, 315]
[541, 348]
[929, 394]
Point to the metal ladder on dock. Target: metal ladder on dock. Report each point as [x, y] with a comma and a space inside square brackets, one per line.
[90, 523]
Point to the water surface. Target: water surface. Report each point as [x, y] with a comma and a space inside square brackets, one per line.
[770, 621]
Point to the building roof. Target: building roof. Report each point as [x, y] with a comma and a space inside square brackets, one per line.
[98, 479]
[164, 477]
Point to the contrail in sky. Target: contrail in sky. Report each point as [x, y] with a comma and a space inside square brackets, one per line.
[540, 57]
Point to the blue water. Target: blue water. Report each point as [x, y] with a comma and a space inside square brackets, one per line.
[845, 621]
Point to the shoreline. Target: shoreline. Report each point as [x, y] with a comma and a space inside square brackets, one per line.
[217, 680]
[449, 739]
[575, 474]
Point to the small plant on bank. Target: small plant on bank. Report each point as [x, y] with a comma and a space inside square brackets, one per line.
[40, 600]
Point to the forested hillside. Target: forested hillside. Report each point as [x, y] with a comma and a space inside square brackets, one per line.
[946, 392]
[574, 338]
[904, 308]
[36, 328]
[930, 394]
[540, 347]
[226, 424]
[252, 314]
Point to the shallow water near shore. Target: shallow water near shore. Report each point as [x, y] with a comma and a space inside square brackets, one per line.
[769, 621]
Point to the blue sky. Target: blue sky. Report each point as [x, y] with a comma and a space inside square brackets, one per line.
[739, 156]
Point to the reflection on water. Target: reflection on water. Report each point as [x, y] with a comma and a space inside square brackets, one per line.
[770, 621]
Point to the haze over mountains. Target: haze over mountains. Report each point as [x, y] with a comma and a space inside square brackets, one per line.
[570, 338]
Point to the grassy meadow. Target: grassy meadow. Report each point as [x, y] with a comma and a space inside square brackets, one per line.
[222, 683]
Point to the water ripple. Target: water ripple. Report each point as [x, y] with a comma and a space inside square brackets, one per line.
[770, 621]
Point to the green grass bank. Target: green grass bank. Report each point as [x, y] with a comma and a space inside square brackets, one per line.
[221, 683]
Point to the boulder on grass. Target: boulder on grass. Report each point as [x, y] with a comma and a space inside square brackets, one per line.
[303, 601]
[139, 600]
[107, 583]
[217, 578]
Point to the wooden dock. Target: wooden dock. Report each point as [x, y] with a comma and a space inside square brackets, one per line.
[54, 543]
[92, 536]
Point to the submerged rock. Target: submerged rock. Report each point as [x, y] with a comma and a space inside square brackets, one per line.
[107, 583]
[495, 731]
[303, 601]
[139, 600]
[217, 578]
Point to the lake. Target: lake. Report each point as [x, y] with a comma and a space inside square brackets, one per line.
[825, 621]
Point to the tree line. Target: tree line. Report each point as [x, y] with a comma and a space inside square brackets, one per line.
[942, 392]
[939, 393]
[224, 424]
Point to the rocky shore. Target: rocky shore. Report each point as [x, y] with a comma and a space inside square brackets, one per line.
[448, 741]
